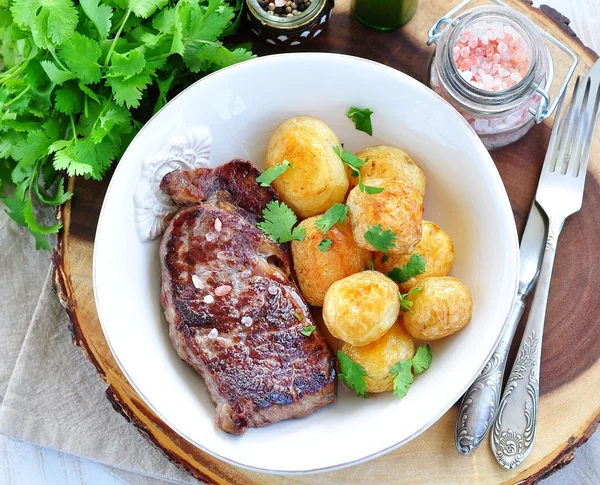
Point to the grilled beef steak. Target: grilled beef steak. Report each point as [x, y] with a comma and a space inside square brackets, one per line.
[234, 312]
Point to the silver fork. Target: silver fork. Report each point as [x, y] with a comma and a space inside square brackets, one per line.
[559, 194]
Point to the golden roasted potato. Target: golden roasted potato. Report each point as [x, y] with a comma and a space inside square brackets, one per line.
[361, 308]
[390, 162]
[380, 356]
[436, 248]
[318, 179]
[399, 208]
[317, 270]
[441, 308]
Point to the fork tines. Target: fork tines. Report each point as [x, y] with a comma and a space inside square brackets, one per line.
[571, 141]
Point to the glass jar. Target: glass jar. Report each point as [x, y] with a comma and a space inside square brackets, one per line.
[289, 31]
[384, 14]
[496, 88]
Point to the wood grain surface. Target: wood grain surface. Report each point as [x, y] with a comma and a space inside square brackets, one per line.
[569, 412]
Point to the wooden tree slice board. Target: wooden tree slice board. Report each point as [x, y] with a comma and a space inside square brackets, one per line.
[569, 411]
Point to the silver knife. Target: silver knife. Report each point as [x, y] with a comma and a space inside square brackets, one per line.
[559, 194]
[480, 403]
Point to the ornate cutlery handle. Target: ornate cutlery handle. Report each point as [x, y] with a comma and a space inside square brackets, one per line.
[515, 427]
[480, 403]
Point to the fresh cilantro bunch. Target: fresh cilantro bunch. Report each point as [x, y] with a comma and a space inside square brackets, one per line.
[78, 80]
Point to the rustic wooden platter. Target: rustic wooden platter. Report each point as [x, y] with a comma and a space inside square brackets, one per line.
[569, 412]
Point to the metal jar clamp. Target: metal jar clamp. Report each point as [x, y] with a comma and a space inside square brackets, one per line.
[547, 105]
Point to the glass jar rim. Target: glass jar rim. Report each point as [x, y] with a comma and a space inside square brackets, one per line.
[294, 22]
[473, 98]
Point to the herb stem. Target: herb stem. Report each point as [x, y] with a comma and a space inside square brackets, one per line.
[117, 35]
[18, 96]
[51, 50]
[73, 128]
[156, 58]
[201, 41]
[11, 74]
[120, 23]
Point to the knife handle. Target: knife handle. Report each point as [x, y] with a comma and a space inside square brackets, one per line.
[515, 426]
[480, 403]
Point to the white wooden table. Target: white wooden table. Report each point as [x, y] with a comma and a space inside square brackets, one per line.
[27, 464]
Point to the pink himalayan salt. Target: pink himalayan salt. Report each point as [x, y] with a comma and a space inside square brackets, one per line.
[456, 53]
[491, 56]
[222, 290]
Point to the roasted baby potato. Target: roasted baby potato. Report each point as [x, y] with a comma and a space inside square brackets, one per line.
[390, 162]
[380, 356]
[317, 270]
[436, 248]
[399, 208]
[441, 308]
[318, 179]
[362, 307]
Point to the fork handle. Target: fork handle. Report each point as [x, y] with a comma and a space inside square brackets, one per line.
[479, 405]
[516, 424]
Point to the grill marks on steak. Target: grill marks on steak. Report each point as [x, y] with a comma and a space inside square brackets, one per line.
[258, 368]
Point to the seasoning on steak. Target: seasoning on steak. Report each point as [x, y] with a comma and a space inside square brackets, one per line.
[234, 312]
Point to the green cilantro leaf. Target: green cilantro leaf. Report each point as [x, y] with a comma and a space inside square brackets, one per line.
[414, 267]
[81, 54]
[404, 378]
[349, 159]
[34, 225]
[403, 370]
[336, 213]
[422, 359]
[145, 8]
[68, 99]
[369, 189]
[127, 65]
[59, 197]
[209, 25]
[129, 92]
[355, 163]
[361, 119]
[278, 222]
[65, 159]
[269, 175]
[325, 245]
[203, 57]
[384, 258]
[56, 75]
[50, 21]
[353, 373]
[307, 331]
[15, 209]
[100, 15]
[406, 305]
[378, 238]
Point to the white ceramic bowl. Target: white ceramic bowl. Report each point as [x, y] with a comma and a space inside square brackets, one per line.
[242, 106]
